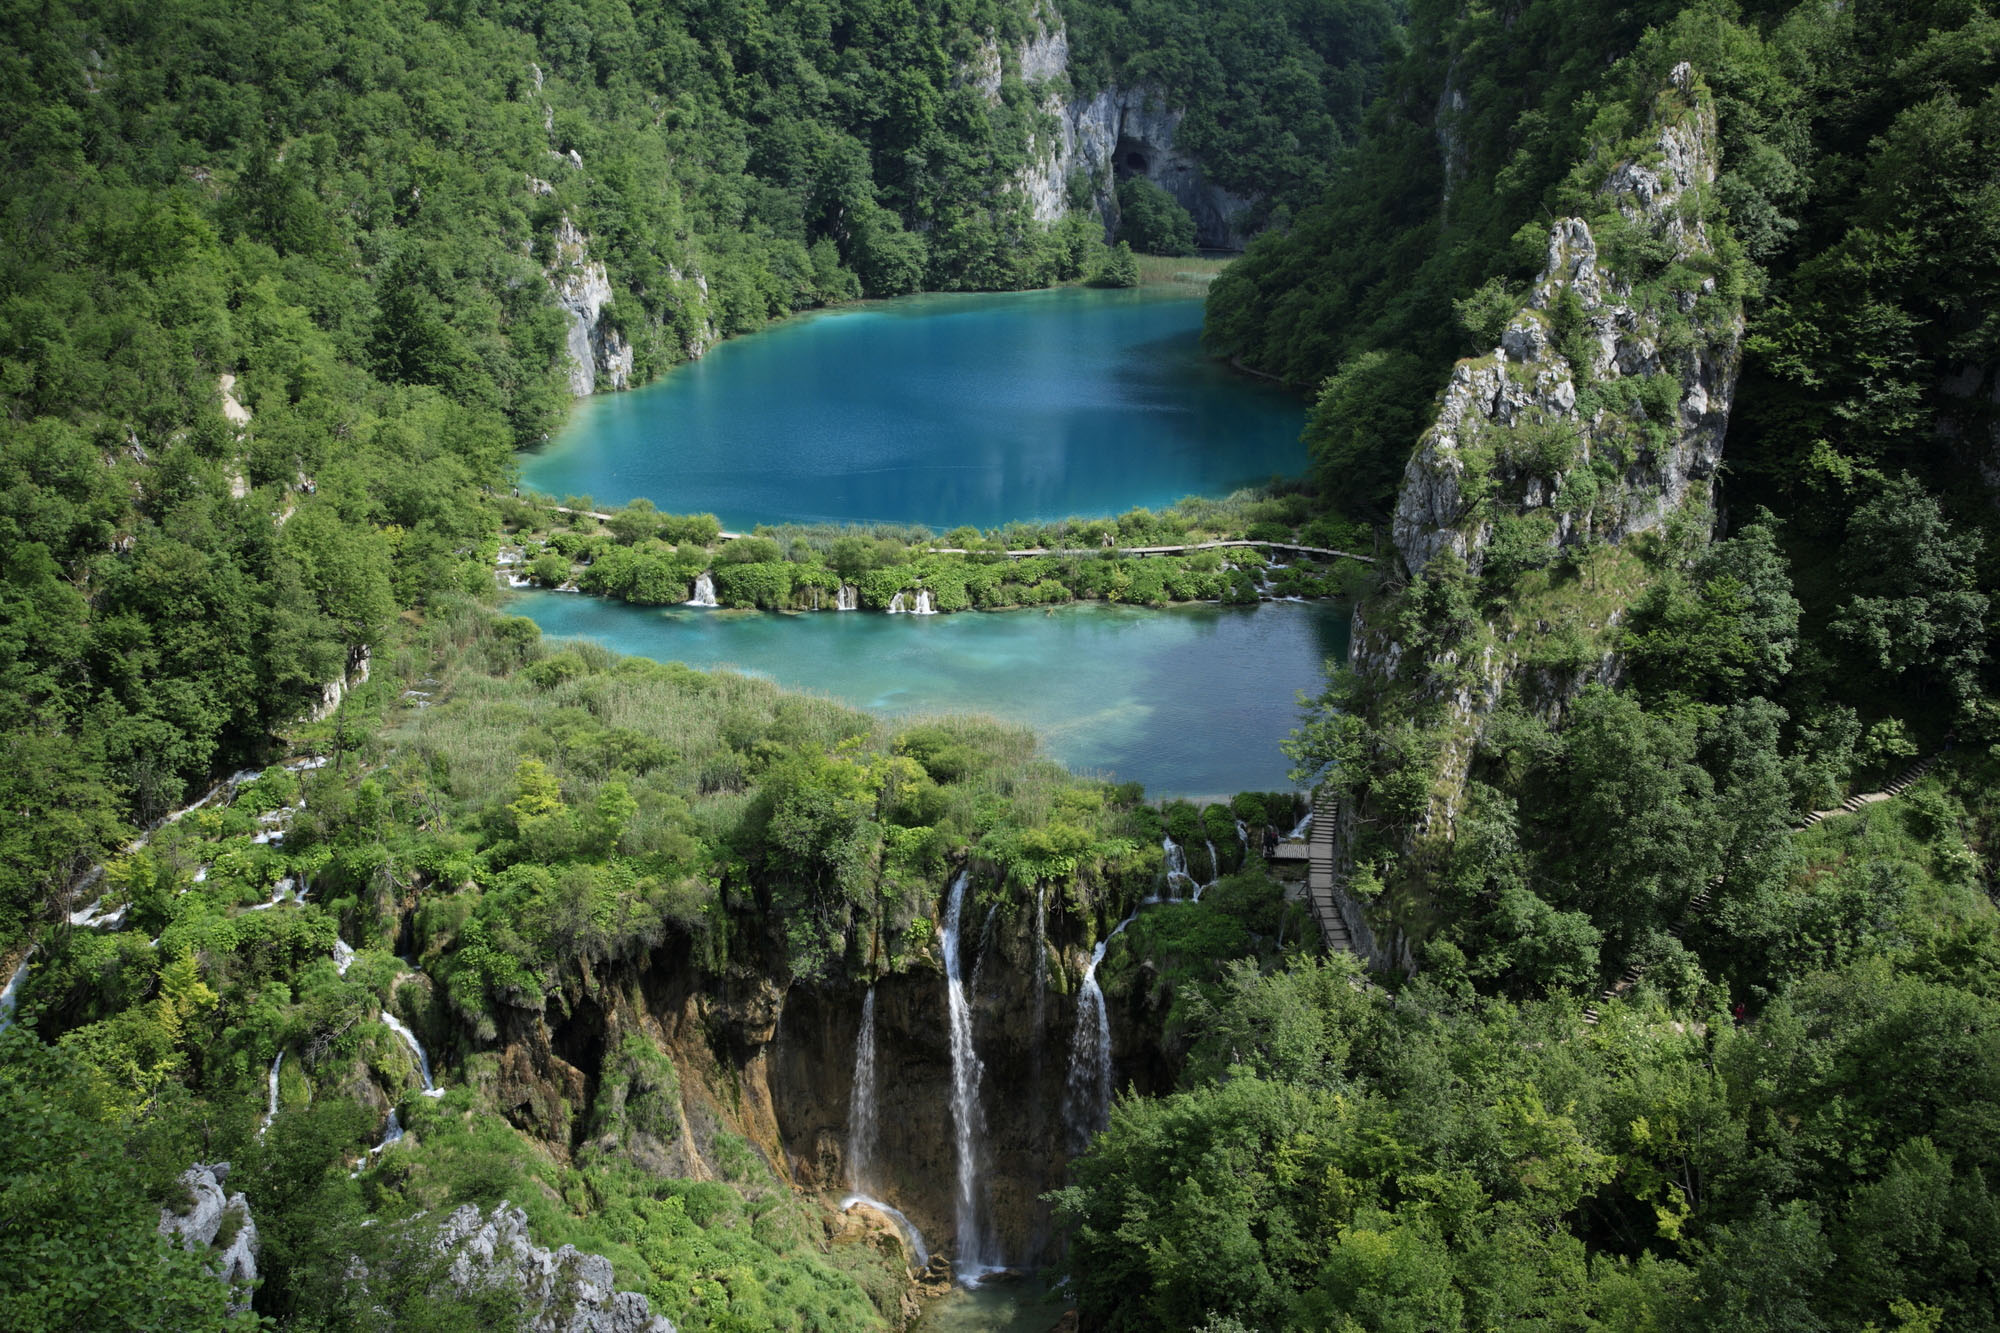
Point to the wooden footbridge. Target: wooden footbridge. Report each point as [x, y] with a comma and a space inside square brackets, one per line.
[1317, 852]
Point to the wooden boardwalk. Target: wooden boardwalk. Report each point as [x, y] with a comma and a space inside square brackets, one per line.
[1319, 872]
[1027, 551]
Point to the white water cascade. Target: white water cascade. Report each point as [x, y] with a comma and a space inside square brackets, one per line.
[271, 1106]
[967, 1119]
[1177, 871]
[12, 994]
[925, 606]
[847, 598]
[704, 590]
[1041, 955]
[861, 1136]
[1243, 836]
[1299, 829]
[1214, 868]
[896, 607]
[343, 955]
[396, 1026]
[1087, 1091]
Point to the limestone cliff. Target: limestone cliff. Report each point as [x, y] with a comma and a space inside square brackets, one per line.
[560, 1291]
[598, 350]
[1105, 136]
[1598, 419]
[220, 1223]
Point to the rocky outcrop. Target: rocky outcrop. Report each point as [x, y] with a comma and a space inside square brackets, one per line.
[561, 1291]
[598, 349]
[1115, 133]
[1598, 417]
[219, 1223]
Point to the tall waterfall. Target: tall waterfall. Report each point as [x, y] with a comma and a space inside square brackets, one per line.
[395, 1025]
[966, 1116]
[862, 1136]
[847, 598]
[861, 1103]
[704, 590]
[271, 1104]
[1087, 1092]
[1041, 956]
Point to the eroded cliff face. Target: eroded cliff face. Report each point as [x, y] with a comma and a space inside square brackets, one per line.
[599, 352]
[1101, 138]
[679, 1068]
[1598, 418]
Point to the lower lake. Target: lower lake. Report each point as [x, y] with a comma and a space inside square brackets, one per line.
[1190, 701]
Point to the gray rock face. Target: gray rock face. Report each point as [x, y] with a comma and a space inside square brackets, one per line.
[1526, 383]
[562, 1291]
[597, 349]
[1118, 132]
[1515, 426]
[215, 1215]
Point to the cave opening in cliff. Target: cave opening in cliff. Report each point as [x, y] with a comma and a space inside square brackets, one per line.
[1136, 161]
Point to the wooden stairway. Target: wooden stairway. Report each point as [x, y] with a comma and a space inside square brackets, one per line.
[1319, 872]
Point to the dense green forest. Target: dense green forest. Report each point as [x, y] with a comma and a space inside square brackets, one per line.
[1640, 1052]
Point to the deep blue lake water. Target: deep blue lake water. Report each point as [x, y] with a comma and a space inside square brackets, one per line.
[940, 410]
[1191, 701]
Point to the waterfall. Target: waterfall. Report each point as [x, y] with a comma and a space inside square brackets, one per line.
[271, 1107]
[1041, 957]
[861, 1102]
[1176, 866]
[848, 598]
[1299, 830]
[343, 955]
[395, 1025]
[965, 1112]
[1214, 868]
[704, 590]
[391, 1133]
[1087, 1092]
[896, 607]
[12, 994]
[903, 1224]
[925, 606]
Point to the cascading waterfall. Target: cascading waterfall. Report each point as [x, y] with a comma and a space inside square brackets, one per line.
[1177, 872]
[1299, 829]
[704, 590]
[343, 955]
[847, 598]
[12, 994]
[861, 1136]
[1087, 1091]
[925, 605]
[896, 607]
[1214, 868]
[861, 1102]
[966, 1117]
[271, 1106]
[1041, 955]
[1243, 836]
[395, 1025]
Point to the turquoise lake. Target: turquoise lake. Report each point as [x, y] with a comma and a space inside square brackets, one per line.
[940, 410]
[1191, 701]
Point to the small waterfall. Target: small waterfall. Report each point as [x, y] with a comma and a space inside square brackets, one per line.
[1214, 868]
[1177, 872]
[861, 1103]
[1087, 1092]
[896, 607]
[396, 1026]
[704, 590]
[1243, 836]
[1041, 956]
[925, 606]
[903, 1224]
[343, 955]
[391, 1133]
[965, 1111]
[12, 994]
[1299, 829]
[271, 1107]
[848, 598]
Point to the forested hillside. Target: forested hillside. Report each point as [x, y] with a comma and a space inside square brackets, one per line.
[1656, 340]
